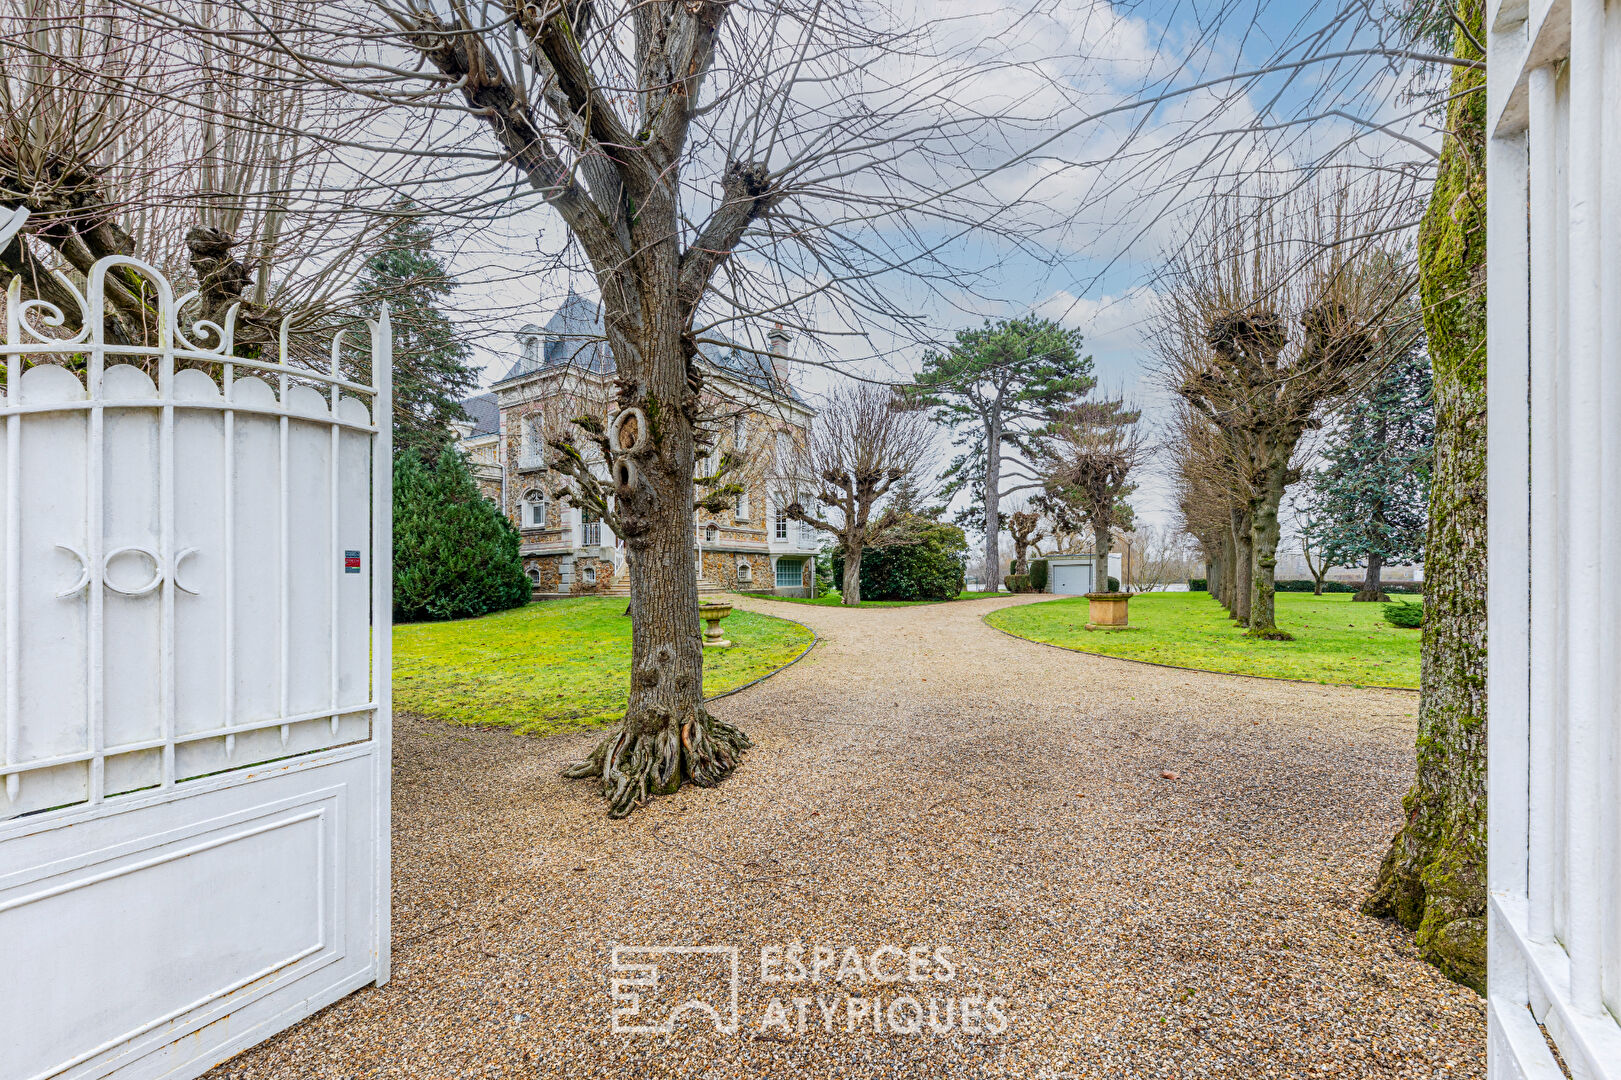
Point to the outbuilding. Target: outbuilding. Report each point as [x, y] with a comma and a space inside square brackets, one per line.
[1072, 575]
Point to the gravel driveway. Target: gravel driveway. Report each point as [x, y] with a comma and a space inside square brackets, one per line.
[919, 782]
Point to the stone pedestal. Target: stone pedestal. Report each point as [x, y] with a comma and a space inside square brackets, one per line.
[712, 614]
[1107, 610]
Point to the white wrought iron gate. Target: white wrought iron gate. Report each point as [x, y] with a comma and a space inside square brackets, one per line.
[1553, 175]
[194, 845]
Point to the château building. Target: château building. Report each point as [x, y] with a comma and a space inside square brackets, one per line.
[565, 368]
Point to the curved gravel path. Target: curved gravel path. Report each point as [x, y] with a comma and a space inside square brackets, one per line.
[920, 780]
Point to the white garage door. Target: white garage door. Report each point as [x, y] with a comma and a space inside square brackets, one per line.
[1071, 579]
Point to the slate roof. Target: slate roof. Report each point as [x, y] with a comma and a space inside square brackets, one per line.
[574, 335]
[485, 413]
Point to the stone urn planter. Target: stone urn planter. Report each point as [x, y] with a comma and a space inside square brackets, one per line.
[1106, 610]
[713, 613]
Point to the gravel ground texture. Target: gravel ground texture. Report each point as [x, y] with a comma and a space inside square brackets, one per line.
[988, 857]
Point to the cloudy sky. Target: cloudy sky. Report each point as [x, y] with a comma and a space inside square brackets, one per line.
[1115, 121]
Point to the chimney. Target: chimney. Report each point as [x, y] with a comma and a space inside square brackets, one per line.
[778, 340]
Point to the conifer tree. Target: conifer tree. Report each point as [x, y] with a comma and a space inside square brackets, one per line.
[1369, 502]
[455, 554]
[431, 372]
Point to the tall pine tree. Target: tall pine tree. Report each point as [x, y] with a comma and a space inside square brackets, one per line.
[1369, 503]
[1001, 387]
[431, 373]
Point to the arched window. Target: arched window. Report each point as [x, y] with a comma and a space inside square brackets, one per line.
[711, 533]
[534, 508]
[588, 576]
[530, 344]
[534, 575]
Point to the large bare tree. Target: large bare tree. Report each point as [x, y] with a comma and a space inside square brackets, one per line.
[713, 163]
[865, 439]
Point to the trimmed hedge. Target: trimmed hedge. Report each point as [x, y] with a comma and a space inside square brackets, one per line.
[1199, 584]
[1346, 586]
[1017, 582]
[1114, 584]
[929, 568]
[1038, 575]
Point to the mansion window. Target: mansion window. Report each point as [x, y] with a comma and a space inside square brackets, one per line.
[807, 531]
[785, 451]
[534, 509]
[789, 574]
[743, 506]
[740, 433]
[711, 533]
[590, 529]
[781, 532]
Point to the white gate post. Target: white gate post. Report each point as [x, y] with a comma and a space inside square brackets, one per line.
[382, 619]
[1554, 536]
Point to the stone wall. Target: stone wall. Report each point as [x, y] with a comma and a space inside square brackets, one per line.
[550, 569]
[721, 567]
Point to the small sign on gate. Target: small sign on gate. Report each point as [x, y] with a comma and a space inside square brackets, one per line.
[351, 562]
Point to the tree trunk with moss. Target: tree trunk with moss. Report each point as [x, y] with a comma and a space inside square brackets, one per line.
[1433, 880]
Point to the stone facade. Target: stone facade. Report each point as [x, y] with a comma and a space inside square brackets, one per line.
[565, 369]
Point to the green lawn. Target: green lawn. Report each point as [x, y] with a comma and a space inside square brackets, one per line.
[833, 599]
[559, 665]
[1336, 641]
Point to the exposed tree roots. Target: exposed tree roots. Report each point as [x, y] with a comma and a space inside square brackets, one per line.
[636, 765]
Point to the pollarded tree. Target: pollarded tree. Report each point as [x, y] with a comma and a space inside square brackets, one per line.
[1369, 502]
[1001, 386]
[865, 440]
[1213, 500]
[1089, 461]
[1024, 526]
[431, 375]
[1278, 309]
[133, 131]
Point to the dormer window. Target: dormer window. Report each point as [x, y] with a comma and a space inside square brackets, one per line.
[530, 344]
